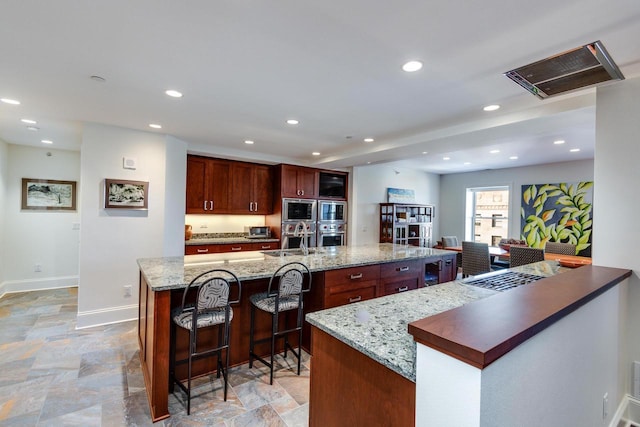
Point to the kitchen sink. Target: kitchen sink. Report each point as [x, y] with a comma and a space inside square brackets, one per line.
[288, 252]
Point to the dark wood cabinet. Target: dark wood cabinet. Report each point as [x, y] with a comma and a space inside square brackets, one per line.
[207, 185]
[298, 182]
[230, 247]
[444, 269]
[349, 285]
[400, 277]
[217, 186]
[251, 190]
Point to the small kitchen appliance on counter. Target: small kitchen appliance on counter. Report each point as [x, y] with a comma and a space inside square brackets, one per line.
[258, 232]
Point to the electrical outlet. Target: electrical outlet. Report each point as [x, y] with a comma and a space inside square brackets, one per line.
[37, 268]
[204, 226]
[127, 290]
[605, 406]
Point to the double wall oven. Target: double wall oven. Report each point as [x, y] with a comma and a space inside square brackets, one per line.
[332, 223]
[298, 222]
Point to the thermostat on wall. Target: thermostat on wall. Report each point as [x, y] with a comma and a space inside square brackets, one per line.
[129, 162]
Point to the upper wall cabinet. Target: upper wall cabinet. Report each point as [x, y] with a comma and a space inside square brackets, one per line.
[207, 185]
[298, 182]
[217, 186]
[251, 189]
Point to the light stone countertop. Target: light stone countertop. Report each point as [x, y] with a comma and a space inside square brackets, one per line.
[378, 327]
[176, 272]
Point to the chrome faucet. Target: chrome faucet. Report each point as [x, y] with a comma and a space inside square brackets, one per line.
[301, 231]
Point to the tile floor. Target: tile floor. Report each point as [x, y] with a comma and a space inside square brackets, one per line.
[54, 375]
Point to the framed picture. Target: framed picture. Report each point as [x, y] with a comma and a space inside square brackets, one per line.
[400, 195]
[124, 194]
[48, 194]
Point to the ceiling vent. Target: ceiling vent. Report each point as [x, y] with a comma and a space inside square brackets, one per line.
[575, 69]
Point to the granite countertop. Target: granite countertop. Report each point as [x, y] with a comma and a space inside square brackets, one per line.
[378, 327]
[175, 272]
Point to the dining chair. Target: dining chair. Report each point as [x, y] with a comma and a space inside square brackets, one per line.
[286, 288]
[560, 248]
[475, 258]
[522, 255]
[449, 241]
[211, 308]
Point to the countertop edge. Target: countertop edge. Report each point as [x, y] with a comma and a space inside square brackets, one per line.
[451, 332]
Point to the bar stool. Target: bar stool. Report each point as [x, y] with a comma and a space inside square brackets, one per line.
[285, 293]
[212, 307]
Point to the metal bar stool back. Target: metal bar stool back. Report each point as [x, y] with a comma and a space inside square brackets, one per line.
[286, 289]
[212, 307]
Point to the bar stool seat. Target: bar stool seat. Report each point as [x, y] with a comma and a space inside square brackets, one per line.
[285, 292]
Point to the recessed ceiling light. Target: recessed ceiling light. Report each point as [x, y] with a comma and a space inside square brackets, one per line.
[46, 141]
[558, 141]
[10, 101]
[494, 151]
[574, 150]
[368, 140]
[492, 107]
[424, 152]
[28, 121]
[513, 158]
[292, 122]
[412, 66]
[33, 128]
[467, 163]
[315, 153]
[155, 126]
[248, 142]
[173, 93]
[368, 163]
[446, 158]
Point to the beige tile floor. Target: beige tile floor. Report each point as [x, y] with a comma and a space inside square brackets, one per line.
[54, 375]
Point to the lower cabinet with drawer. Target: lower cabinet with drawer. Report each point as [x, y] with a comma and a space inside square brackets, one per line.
[349, 285]
[236, 247]
[400, 277]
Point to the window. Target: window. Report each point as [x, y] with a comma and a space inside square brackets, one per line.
[487, 214]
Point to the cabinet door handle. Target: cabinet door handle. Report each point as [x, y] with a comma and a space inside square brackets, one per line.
[356, 299]
[402, 269]
[211, 205]
[448, 262]
[239, 248]
[266, 247]
[302, 192]
[250, 206]
[402, 289]
[356, 276]
[205, 204]
[255, 209]
[203, 251]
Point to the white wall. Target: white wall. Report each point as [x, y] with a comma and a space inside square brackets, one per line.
[4, 182]
[616, 204]
[112, 240]
[453, 190]
[369, 188]
[35, 237]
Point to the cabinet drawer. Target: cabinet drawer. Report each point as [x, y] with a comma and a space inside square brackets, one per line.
[351, 295]
[199, 249]
[263, 246]
[351, 275]
[410, 268]
[400, 286]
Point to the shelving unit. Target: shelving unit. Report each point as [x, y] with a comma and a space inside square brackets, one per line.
[406, 224]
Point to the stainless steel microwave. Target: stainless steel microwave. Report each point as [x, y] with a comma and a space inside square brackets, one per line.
[298, 210]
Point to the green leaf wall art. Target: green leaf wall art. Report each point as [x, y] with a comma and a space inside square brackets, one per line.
[557, 213]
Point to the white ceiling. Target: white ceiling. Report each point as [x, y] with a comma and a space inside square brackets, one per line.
[245, 66]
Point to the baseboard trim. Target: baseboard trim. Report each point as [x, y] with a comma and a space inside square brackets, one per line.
[106, 316]
[13, 286]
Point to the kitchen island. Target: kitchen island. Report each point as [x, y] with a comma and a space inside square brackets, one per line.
[367, 351]
[340, 275]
